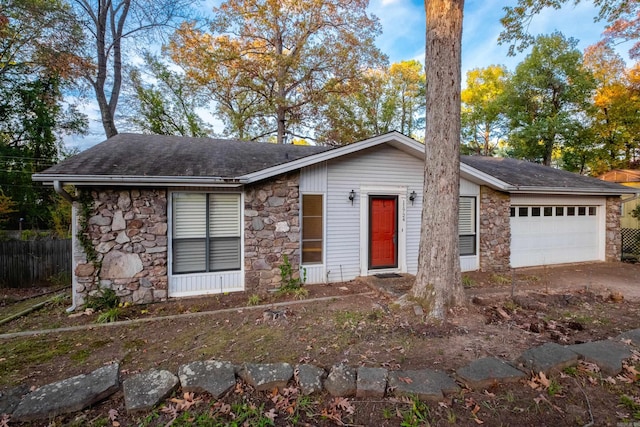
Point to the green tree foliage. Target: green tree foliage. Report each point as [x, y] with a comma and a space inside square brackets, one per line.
[38, 57]
[483, 121]
[163, 102]
[381, 101]
[547, 98]
[270, 64]
[622, 16]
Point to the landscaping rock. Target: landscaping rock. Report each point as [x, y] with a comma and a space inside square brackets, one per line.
[547, 358]
[144, 391]
[266, 376]
[310, 378]
[608, 355]
[371, 382]
[426, 384]
[341, 381]
[211, 376]
[633, 335]
[488, 371]
[10, 398]
[70, 395]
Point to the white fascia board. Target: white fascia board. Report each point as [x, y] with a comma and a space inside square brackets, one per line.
[141, 181]
[395, 139]
[569, 191]
[479, 177]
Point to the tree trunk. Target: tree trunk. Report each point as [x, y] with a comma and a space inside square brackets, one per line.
[438, 283]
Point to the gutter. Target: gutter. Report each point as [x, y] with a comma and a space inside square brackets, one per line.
[58, 187]
[142, 181]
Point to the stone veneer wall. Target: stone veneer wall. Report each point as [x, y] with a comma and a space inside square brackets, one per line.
[272, 229]
[613, 239]
[128, 229]
[495, 230]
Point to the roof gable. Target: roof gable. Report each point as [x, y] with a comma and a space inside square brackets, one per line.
[621, 175]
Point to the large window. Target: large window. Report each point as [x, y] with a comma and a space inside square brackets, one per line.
[467, 225]
[311, 228]
[206, 232]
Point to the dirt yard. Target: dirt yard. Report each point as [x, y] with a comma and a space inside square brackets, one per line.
[354, 324]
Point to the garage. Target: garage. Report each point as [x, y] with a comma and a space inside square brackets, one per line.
[546, 231]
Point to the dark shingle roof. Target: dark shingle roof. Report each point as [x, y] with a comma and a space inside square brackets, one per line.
[156, 155]
[520, 173]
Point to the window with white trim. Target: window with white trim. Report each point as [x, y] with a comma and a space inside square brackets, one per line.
[206, 232]
[467, 225]
[312, 228]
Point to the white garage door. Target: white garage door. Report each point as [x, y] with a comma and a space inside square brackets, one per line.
[556, 234]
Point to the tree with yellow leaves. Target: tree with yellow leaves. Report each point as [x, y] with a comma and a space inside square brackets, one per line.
[270, 64]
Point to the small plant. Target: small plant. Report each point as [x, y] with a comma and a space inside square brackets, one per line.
[417, 415]
[631, 404]
[254, 300]
[290, 283]
[467, 282]
[571, 371]
[500, 279]
[108, 316]
[105, 298]
[60, 279]
[554, 388]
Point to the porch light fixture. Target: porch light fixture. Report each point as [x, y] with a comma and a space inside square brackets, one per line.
[412, 197]
[352, 196]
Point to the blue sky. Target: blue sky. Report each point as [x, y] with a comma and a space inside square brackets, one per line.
[403, 38]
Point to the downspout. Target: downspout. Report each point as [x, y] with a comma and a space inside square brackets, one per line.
[57, 186]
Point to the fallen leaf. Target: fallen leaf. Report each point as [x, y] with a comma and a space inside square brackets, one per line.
[405, 380]
[478, 421]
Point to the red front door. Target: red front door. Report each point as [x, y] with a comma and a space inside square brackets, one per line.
[383, 229]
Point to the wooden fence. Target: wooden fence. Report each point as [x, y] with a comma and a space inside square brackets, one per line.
[31, 263]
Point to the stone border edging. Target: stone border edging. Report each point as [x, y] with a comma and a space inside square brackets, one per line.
[147, 389]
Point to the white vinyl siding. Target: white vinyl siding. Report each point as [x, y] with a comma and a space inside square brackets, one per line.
[379, 167]
[313, 180]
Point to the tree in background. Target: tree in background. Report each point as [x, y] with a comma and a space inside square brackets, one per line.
[483, 121]
[39, 57]
[107, 25]
[615, 120]
[270, 64]
[382, 100]
[547, 98]
[163, 101]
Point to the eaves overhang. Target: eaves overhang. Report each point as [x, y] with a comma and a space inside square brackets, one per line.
[474, 175]
[139, 181]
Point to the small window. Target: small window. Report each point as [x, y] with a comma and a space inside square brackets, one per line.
[523, 211]
[512, 211]
[548, 211]
[592, 210]
[559, 210]
[582, 210]
[312, 228]
[571, 211]
[535, 211]
[467, 225]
